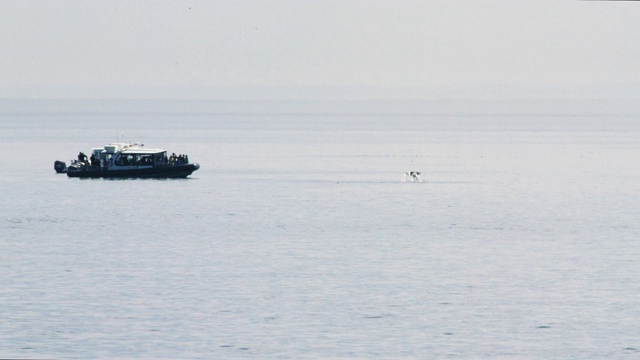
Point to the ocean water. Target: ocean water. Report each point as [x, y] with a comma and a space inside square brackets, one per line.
[298, 237]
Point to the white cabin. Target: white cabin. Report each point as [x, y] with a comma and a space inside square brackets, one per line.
[121, 156]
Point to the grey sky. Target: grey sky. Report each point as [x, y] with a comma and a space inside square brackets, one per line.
[218, 44]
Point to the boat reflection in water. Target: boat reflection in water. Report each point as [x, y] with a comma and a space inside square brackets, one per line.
[120, 160]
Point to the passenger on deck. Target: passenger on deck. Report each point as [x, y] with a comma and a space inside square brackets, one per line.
[94, 160]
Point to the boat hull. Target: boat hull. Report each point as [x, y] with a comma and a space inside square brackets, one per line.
[172, 171]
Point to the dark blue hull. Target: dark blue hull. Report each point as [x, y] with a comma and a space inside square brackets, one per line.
[170, 171]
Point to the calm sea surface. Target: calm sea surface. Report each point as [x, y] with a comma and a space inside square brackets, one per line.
[298, 238]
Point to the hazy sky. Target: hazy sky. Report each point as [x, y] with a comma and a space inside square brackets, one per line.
[54, 47]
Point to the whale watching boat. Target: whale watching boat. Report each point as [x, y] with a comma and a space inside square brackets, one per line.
[120, 160]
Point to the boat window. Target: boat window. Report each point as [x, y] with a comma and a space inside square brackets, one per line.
[135, 160]
[125, 160]
[144, 159]
[159, 159]
[107, 159]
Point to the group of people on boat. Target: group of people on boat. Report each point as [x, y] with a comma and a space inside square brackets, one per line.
[93, 160]
[174, 159]
[178, 159]
[128, 161]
